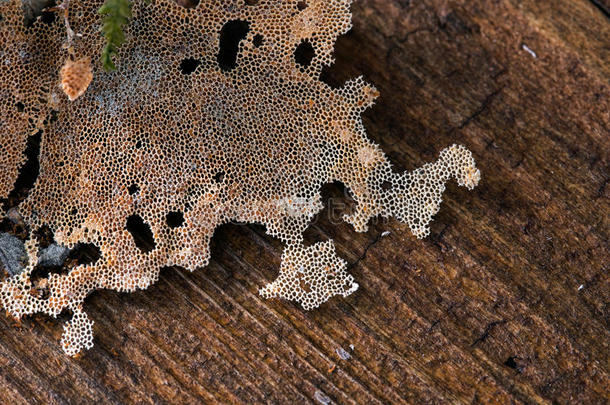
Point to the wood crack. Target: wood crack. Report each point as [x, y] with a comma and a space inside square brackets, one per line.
[484, 106]
[366, 249]
[490, 326]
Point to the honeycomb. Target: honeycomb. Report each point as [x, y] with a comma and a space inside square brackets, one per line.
[215, 114]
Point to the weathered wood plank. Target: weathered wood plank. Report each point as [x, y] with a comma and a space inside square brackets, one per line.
[506, 301]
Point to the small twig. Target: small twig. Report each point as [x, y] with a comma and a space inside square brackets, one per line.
[64, 6]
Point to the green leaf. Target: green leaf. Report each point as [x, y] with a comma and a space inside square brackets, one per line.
[116, 15]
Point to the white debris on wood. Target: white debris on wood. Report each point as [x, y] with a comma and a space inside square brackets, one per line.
[322, 398]
[343, 354]
[529, 50]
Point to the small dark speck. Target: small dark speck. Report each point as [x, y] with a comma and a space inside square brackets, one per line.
[511, 362]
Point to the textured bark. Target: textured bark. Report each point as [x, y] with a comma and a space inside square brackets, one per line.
[507, 300]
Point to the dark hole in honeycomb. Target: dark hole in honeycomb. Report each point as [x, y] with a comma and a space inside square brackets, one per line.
[304, 53]
[189, 65]
[219, 177]
[17, 229]
[386, 185]
[174, 219]
[133, 189]
[141, 233]
[230, 36]
[53, 117]
[28, 173]
[301, 5]
[38, 278]
[20, 106]
[138, 144]
[251, 2]
[81, 254]
[44, 236]
[257, 40]
[47, 17]
[85, 253]
[34, 9]
[188, 3]
[335, 75]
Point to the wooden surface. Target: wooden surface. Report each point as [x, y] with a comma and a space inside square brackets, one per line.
[506, 302]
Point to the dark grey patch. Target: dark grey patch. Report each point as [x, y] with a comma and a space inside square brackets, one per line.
[12, 253]
[15, 217]
[54, 255]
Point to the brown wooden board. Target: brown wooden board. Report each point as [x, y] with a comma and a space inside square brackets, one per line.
[506, 302]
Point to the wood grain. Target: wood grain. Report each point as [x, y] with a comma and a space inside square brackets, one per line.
[506, 302]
